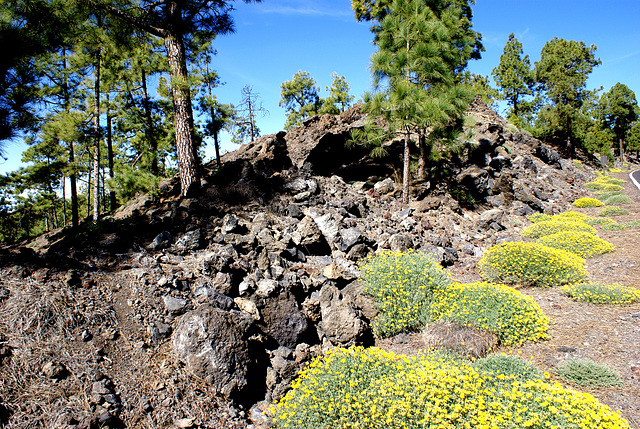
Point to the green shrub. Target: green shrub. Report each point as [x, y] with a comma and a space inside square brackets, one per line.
[548, 227]
[618, 200]
[588, 202]
[372, 389]
[496, 308]
[604, 195]
[612, 225]
[402, 285]
[585, 372]
[634, 224]
[538, 217]
[580, 243]
[531, 264]
[596, 186]
[512, 367]
[613, 211]
[572, 216]
[600, 293]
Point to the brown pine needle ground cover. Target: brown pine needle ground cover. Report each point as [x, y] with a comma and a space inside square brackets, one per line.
[606, 334]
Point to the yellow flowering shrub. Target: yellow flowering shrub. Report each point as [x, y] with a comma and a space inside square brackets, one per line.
[512, 316]
[531, 264]
[402, 284]
[605, 183]
[580, 243]
[572, 216]
[588, 202]
[548, 227]
[600, 293]
[372, 389]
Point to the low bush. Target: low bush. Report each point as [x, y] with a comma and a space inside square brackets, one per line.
[538, 217]
[402, 285]
[604, 195]
[612, 225]
[613, 211]
[598, 186]
[580, 243]
[548, 227]
[511, 367]
[531, 264]
[618, 200]
[512, 316]
[585, 372]
[370, 389]
[600, 293]
[587, 202]
[572, 216]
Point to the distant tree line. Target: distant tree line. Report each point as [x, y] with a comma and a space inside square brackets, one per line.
[104, 93]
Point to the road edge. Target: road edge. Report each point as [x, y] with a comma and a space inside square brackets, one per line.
[633, 179]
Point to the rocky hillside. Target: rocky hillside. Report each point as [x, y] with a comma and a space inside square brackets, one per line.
[198, 312]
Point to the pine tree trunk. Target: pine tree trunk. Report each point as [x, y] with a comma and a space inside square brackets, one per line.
[64, 201]
[405, 169]
[422, 160]
[622, 157]
[75, 217]
[151, 141]
[96, 144]
[112, 194]
[183, 115]
[217, 146]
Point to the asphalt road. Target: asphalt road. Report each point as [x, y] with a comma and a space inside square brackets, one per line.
[635, 178]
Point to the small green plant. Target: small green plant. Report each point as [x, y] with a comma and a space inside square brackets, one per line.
[633, 224]
[613, 211]
[531, 264]
[496, 308]
[511, 367]
[587, 202]
[402, 285]
[572, 216]
[618, 200]
[599, 186]
[604, 195]
[548, 227]
[600, 293]
[580, 243]
[538, 217]
[585, 372]
[612, 225]
[370, 388]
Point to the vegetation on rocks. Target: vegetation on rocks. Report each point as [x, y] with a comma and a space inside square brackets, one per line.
[370, 388]
[531, 264]
[402, 285]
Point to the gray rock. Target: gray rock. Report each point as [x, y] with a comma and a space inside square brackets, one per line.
[161, 241]
[54, 370]
[350, 237]
[329, 224]
[189, 241]
[384, 187]
[475, 179]
[341, 322]
[174, 305]
[211, 342]
[284, 322]
[400, 242]
[266, 287]
[230, 223]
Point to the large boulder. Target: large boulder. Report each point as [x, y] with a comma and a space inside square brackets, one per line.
[342, 323]
[212, 343]
[284, 321]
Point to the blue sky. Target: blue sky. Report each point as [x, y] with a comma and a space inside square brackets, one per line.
[276, 38]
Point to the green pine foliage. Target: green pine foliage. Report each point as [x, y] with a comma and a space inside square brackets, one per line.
[585, 372]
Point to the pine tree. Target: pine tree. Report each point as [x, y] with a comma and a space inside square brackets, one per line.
[422, 47]
[300, 98]
[562, 71]
[514, 76]
[339, 98]
[175, 22]
[619, 111]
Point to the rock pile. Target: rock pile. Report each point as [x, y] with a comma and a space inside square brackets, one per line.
[258, 274]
